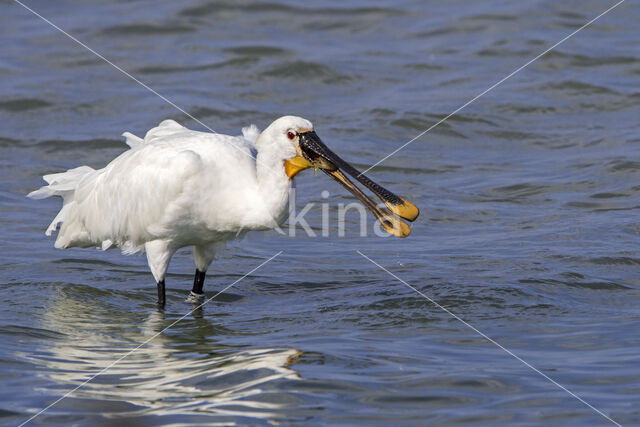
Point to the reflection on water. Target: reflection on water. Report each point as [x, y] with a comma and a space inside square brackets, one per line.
[164, 376]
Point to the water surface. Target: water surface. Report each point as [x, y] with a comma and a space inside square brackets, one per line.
[528, 231]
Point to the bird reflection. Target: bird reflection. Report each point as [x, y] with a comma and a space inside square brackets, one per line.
[183, 370]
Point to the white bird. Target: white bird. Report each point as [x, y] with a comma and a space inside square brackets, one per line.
[179, 187]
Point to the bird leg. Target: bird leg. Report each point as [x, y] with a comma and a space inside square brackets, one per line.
[161, 293]
[202, 255]
[159, 254]
[198, 283]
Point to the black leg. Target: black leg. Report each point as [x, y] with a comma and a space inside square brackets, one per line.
[198, 282]
[161, 293]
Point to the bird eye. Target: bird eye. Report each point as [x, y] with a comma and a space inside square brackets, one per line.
[291, 135]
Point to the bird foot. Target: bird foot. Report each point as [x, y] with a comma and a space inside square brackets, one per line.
[195, 298]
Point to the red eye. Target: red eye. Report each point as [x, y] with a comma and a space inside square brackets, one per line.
[291, 135]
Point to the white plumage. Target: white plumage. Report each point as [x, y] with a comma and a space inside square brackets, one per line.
[175, 188]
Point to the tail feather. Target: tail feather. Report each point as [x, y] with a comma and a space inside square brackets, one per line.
[61, 184]
[132, 140]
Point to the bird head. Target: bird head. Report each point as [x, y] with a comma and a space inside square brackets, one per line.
[306, 150]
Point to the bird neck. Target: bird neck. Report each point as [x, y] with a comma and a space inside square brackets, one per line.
[273, 185]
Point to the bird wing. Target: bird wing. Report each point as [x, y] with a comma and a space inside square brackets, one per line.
[151, 190]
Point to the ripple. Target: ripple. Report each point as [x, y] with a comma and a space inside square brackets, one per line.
[557, 59]
[305, 71]
[484, 385]
[220, 7]
[162, 69]
[146, 29]
[420, 123]
[607, 195]
[270, 7]
[624, 166]
[520, 108]
[258, 50]
[55, 145]
[490, 17]
[24, 104]
[615, 261]
[8, 142]
[11, 414]
[225, 114]
[513, 135]
[26, 331]
[595, 285]
[422, 400]
[421, 66]
[577, 88]
[501, 53]
[521, 191]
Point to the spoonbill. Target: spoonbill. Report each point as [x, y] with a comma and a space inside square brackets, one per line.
[179, 187]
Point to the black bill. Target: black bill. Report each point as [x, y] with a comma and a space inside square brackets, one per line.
[323, 158]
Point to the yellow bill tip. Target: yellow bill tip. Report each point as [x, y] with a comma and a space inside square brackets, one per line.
[406, 210]
[395, 226]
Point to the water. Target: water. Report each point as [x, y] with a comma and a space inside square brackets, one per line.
[528, 229]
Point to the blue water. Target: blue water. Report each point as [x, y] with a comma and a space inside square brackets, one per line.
[528, 229]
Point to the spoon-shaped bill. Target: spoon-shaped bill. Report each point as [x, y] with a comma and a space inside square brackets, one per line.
[318, 153]
[389, 222]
